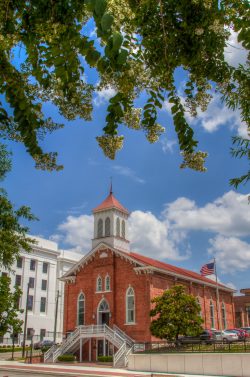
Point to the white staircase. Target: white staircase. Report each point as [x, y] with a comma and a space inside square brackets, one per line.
[115, 336]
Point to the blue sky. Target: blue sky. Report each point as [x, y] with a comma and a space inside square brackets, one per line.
[179, 216]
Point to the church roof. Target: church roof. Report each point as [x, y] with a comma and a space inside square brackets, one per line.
[170, 268]
[109, 203]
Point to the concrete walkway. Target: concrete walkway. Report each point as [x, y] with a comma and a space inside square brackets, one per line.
[76, 370]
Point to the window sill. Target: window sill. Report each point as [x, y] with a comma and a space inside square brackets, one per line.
[130, 323]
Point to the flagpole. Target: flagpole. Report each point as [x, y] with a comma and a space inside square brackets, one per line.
[217, 296]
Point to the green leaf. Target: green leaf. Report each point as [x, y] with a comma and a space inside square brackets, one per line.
[106, 21]
[122, 57]
[117, 40]
[100, 7]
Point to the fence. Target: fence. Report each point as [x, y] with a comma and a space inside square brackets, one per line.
[199, 346]
[36, 338]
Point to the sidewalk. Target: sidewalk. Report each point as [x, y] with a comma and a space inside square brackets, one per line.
[88, 370]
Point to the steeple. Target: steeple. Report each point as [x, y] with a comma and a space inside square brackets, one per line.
[110, 223]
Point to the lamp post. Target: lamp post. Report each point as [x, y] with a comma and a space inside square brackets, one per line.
[32, 333]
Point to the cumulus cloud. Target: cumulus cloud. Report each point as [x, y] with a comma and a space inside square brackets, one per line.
[103, 95]
[76, 232]
[127, 172]
[232, 254]
[227, 215]
[234, 52]
[152, 237]
[167, 236]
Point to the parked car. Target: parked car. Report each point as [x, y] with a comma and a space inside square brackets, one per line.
[226, 336]
[43, 343]
[241, 333]
[246, 329]
[206, 336]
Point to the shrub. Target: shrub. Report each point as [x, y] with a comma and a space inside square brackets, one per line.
[105, 359]
[67, 357]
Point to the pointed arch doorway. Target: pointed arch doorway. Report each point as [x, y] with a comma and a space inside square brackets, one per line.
[103, 313]
[104, 348]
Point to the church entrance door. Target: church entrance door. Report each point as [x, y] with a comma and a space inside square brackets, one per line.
[103, 314]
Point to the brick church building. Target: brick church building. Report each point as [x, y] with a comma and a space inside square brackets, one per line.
[108, 292]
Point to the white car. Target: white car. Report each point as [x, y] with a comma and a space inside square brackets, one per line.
[226, 336]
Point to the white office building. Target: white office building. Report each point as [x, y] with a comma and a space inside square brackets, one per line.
[41, 269]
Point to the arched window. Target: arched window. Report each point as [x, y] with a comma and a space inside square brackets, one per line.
[212, 314]
[80, 309]
[107, 283]
[107, 227]
[123, 229]
[100, 228]
[130, 305]
[118, 227]
[199, 303]
[99, 284]
[223, 316]
[103, 306]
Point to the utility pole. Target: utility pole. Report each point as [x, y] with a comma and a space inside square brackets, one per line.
[25, 321]
[56, 314]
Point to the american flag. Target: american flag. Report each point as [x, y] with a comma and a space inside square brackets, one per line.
[207, 269]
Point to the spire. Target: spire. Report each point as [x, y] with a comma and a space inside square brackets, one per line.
[111, 187]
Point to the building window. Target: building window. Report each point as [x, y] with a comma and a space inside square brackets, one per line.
[19, 262]
[32, 265]
[223, 316]
[100, 228]
[44, 285]
[32, 282]
[81, 309]
[30, 302]
[107, 227]
[99, 284]
[107, 283]
[198, 302]
[130, 305]
[18, 280]
[212, 314]
[45, 267]
[29, 332]
[42, 333]
[43, 305]
[17, 303]
[118, 227]
[123, 229]
[4, 274]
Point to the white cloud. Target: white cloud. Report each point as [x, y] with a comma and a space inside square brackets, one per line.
[152, 237]
[227, 215]
[235, 53]
[104, 95]
[218, 115]
[127, 172]
[232, 254]
[76, 232]
[167, 145]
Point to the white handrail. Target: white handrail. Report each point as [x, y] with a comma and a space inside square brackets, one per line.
[129, 340]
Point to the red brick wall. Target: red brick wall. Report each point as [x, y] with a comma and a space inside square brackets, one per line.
[146, 286]
[122, 275]
[205, 294]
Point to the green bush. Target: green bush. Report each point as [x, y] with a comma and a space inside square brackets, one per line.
[105, 359]
[9, 349]
[67, 357]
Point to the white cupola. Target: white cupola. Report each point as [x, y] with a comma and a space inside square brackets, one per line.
[110, 224]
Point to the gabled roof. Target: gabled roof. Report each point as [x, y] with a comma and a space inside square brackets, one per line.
[173, 269]
[109, 203]
[142, 262]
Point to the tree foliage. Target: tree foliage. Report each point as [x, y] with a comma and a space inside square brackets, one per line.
[13, 235]
[176, 313]
[9, 321]
[140, 44]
